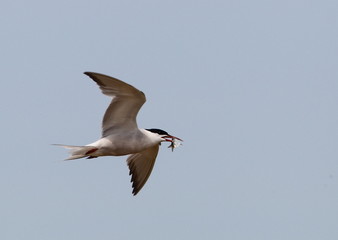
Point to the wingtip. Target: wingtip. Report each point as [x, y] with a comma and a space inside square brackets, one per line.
[88, 73]
[135, 192]
[95, 76]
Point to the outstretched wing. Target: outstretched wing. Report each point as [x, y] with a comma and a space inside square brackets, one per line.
[140, 166]
[126, 103]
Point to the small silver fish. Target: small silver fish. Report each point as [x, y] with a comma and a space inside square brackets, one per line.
[174, 144]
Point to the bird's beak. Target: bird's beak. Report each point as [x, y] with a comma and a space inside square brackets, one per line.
[170, 138]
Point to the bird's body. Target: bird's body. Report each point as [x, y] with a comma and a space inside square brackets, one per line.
[120, 133]
[123, 143]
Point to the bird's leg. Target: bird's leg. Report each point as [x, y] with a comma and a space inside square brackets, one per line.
[91, 151]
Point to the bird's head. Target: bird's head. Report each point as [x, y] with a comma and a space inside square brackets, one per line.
[166, 137]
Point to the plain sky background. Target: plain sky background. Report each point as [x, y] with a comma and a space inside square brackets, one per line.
[251, 86]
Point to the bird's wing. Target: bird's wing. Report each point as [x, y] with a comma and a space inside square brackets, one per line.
[140, 165]
[126, 103]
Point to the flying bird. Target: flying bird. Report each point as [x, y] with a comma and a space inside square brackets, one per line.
[120, 133]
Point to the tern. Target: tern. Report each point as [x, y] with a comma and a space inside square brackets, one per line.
[120, 133]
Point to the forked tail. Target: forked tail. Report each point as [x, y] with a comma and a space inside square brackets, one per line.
[77, 152]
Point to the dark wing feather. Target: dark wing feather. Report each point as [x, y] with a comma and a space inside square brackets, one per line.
[140, 166]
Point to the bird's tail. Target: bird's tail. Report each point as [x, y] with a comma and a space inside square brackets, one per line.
[77, 152]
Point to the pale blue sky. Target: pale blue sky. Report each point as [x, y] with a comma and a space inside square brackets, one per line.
[251, 86]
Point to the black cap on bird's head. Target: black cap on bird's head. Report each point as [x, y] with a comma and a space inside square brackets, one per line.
[158, 131]
[166, 136]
